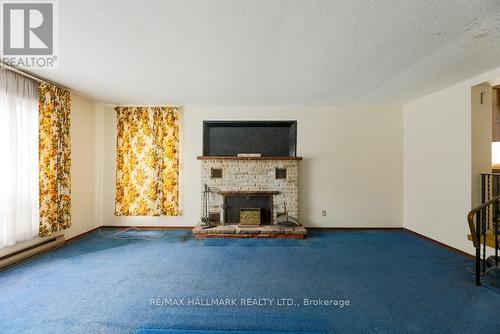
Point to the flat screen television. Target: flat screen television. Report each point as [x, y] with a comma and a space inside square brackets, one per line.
[267, 138]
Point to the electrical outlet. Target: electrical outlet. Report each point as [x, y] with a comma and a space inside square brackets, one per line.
[323, 213]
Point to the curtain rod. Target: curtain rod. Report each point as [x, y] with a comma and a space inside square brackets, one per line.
[29, 75]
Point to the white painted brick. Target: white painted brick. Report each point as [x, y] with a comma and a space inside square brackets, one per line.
[241, 175]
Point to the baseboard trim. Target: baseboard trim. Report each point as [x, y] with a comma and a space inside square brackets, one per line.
[81, 235]
[453, 249]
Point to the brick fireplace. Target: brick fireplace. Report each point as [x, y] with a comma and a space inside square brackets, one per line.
[235, 182]
[276, 177]
[262, 186]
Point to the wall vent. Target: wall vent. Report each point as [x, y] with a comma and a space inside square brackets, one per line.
[280, 173]
[216, 173]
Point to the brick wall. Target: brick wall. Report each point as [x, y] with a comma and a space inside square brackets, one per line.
[253, 175]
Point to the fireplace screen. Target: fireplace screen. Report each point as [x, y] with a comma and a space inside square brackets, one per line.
[233, 205]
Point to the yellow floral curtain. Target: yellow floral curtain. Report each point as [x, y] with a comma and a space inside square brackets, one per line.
[147, 171]
[54, 158]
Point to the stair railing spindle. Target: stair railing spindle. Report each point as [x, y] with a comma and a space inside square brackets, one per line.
[484, 240]
[496, 232]
[478, 248]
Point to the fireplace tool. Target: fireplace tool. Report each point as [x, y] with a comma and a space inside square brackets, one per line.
[286, 220]
[205, 218]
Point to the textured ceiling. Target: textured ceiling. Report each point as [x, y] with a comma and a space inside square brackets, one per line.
[270, 52]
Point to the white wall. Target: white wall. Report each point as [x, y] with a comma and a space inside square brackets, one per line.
[438, 163]
[352, 165]
[83, 150]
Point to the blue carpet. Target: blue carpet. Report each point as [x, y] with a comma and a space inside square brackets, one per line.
[181, 331]
[492, 279]
[394, 282]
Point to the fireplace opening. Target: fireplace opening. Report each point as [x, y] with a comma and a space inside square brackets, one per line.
[234, 203]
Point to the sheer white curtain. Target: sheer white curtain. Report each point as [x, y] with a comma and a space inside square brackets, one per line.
[18, 158]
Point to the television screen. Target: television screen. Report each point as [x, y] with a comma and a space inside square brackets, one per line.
[267, 138]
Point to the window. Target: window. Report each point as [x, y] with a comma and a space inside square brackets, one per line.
[147, 178]
[19, 197]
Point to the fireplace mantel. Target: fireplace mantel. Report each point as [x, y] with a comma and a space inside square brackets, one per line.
[208, 157]
[248, 193]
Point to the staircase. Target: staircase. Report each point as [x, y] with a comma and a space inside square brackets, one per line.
[484, 223]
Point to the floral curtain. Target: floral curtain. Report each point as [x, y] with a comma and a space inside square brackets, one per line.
[54, 158]
[147, 175]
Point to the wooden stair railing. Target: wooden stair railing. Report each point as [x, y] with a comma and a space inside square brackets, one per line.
[477, 219]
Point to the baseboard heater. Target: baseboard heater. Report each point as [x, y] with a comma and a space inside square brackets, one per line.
[23, 251]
